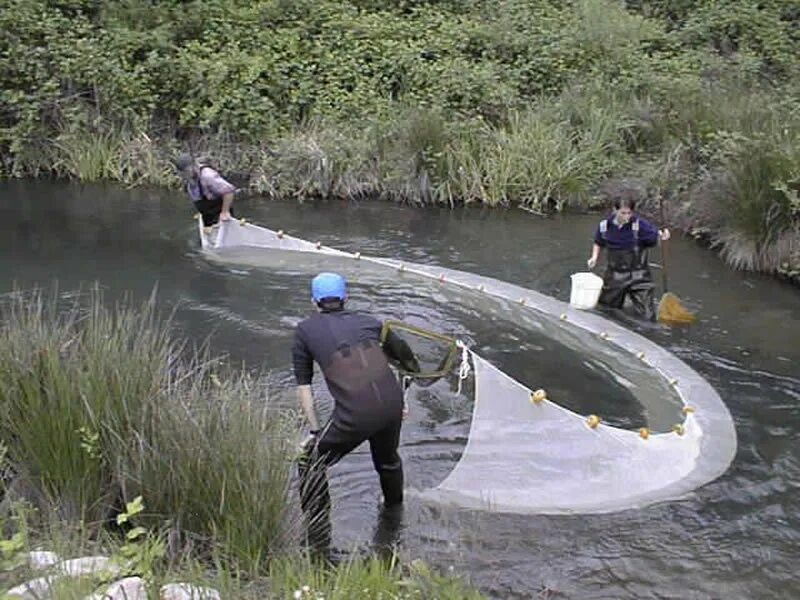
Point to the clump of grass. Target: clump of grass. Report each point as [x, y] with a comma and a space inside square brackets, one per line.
[370, 578]
[537, 159]
[99, 405]
[62, 375]
[217, 463]
[143, 160]
[747, 200]
[88, 153]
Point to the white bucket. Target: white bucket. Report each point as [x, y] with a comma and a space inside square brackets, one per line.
[586, 289]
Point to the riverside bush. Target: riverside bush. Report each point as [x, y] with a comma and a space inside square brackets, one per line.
[494, 101]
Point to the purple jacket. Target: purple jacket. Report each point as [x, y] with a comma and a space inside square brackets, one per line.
[636, 232]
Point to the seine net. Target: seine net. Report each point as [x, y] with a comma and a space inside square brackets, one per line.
[526, 453]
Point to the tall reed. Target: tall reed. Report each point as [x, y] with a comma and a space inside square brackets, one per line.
[100, 405]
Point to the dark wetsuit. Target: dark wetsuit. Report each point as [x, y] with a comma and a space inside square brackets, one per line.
[368, 405]
[628, 272]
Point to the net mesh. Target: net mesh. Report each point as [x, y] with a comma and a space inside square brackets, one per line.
[527, 454]
[672, 312]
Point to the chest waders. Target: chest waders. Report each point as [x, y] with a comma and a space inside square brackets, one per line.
[628, 276]
[368, 408]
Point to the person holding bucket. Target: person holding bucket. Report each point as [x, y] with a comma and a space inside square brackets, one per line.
[626, 237]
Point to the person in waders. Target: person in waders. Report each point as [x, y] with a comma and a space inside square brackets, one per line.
[368, 401]
[211, 195]
[627, 237]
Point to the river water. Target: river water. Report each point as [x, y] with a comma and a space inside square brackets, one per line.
[737, 537]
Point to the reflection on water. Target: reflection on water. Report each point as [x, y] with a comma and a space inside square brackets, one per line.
[736, 537]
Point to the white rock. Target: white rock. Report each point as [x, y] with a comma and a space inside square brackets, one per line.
[187, 591]
[130, 588]
[88, 565]
[35, 589]
[41, 559]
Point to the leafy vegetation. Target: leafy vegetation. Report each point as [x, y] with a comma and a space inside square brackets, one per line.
[502, 102]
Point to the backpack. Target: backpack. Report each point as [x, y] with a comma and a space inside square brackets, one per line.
[195, 188]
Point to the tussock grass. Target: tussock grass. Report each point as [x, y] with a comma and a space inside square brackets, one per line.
[100, 405]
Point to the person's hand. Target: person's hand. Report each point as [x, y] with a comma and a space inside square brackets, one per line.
[405, 409]
[664, 234]
[592, 262]
[308, 443]
[225, 215]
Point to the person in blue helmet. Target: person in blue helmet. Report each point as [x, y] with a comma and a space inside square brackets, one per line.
[627, 237]
[368, 399]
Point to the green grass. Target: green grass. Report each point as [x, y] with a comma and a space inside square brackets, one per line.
[88, 154]
[99, 405]
[371, 578]
[289, 576]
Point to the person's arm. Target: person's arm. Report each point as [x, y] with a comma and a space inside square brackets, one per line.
[592, 262]
[303, 364]
[306, 400]
[598, 245]
[399, 351]
[648, 234]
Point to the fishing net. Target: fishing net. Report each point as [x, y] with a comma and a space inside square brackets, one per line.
[435, 355]
[671, 311]
[525, 452]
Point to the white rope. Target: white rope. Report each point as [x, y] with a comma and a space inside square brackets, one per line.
[465, 368]
[407, 379]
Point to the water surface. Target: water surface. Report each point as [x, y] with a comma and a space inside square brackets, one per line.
[737, 537]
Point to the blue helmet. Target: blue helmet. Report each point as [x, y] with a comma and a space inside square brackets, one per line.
[328, 285]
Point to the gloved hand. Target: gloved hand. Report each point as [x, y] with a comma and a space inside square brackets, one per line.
[592, 262]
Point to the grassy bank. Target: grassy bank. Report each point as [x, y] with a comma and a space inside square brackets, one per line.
[115, 439]
[503, 102]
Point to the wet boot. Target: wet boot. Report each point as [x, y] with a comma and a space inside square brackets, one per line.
[387, 531]
[391, 477]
